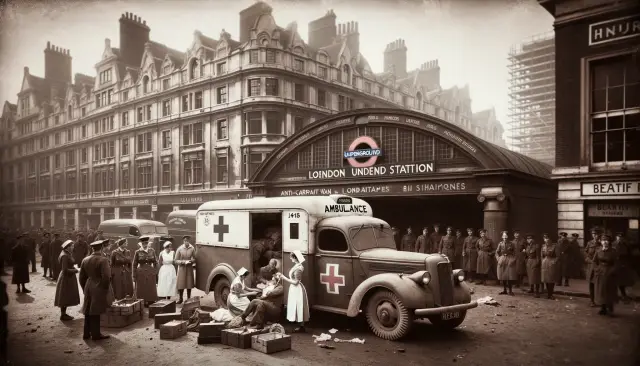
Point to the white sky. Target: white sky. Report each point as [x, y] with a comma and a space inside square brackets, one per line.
[471, 38]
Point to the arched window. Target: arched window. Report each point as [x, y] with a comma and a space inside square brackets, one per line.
[419, 101]
[145, 84]
[69, 112]
[193, 69]
[346, 74]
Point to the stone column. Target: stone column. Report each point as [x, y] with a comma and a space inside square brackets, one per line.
[116, 212]
[176, 208]
[41, 218]
[134, 212]
[53, 218]
[32, 219]
[496, 212]
[86, 222]
[64, 218]
[207, 133]
[76, 219]
[101, 214]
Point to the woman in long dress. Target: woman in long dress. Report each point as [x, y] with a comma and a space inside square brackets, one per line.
[167, 273]
[67, 293]
[144, 271]
[238, 299]
[297, 302]
[121, 278]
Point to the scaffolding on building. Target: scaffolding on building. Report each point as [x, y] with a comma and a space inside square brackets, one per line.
[532, 88]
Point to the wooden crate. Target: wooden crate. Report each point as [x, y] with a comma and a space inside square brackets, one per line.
[271, 342]
[205, 317]
[160, 319]
[186, 314]
[209, 340]
[191, 304]
[240, 337]
[173, 329]
[125, 307]
[108, 320]
[210, 329]
[162, 307]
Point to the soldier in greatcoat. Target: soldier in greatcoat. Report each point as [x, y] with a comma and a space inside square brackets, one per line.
[447, 244]
[564, 259]
[121, 278]
[625, 273]
[56, 249]
[31, 244]
[422, 243]
[435, 237]
[408, 242]
[575, 257]
[144, 271]
[589, 252]
[470, 254]
[459, 243]
[67, 287]
[94, 279]
[521, 257]
[506, 267]
[550, 265]
[604, 274]
[44, 249]
[486, 251]
[533, 254]
[185, 258]
[80, 248]
[20, 258]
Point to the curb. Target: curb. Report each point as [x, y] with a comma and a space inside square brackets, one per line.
[569, 293]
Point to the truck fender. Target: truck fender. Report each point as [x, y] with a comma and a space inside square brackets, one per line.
[412, 295]
[462, 293]
[221, 269]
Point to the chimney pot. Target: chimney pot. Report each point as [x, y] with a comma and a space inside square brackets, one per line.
[107, 42]
[26, 70]
[144, 22]
[48, 44]
[356, 26]
[126, 15]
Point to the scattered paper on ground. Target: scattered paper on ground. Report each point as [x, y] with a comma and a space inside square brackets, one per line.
[333, 331]
[488, 300]
[322, 338]
[352, 340]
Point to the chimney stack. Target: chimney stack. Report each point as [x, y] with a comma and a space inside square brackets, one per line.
[57, 64]
[395, 58]
[134, 33]
[430, 75]
[323, 31]
[349, 31]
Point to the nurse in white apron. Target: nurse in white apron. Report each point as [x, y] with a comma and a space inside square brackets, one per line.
[238, 300]
[297, 302]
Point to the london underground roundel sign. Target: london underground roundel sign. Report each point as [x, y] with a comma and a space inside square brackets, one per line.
[363, 147]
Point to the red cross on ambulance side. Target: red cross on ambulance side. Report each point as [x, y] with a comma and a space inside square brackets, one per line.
[332, 278]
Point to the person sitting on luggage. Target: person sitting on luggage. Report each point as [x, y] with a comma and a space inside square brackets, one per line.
[268, 307]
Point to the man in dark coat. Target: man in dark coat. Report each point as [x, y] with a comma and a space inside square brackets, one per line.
[20, 258]
[564, 257]
[94, 278]
[266, 308]
[422, 242]
[459, 243]
[45, 249]
[31, 244]
[408, 242]
[435, 237]
[54, 253]
[521, 256]
[446, 245]
[80, 249]
[624, 271]
[589, 252]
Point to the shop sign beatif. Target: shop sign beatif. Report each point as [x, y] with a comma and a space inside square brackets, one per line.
[373, 171]
[618, 188]
[613, 210]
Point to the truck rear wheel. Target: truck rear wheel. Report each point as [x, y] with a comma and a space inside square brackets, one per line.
[221, 291]
[387, 316]
[437, 321]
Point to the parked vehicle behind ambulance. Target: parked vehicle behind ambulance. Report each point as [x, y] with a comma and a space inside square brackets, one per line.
[352, 265]
[132, 229]
[180, 223]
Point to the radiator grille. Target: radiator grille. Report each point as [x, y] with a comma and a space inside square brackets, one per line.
[445, 282]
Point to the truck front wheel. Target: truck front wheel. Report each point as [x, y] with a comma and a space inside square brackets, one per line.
[221, 290]
[387, 316]
[449, 324]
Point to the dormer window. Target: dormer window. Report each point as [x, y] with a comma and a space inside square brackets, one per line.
[24, 106]
[167, 69]
[193, 69]
[69, 112]
[419, 101]
[346, 74]
[145, 85]
[105, 76]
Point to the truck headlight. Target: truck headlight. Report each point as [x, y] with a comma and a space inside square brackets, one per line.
[426, 278]
[458, 275]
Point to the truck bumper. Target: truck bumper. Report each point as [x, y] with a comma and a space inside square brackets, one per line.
[446, 309]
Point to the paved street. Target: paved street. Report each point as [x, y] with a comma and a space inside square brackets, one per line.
[521, 331]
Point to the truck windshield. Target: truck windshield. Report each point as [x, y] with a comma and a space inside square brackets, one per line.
[150, 229]
[368, 237]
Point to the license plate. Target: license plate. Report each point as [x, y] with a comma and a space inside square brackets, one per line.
[449, 316]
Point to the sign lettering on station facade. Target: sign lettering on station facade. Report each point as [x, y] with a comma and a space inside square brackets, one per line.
[390, 189]
[617, 188]
[614, 30]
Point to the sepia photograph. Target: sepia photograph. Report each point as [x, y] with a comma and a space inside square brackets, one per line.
[320, 182]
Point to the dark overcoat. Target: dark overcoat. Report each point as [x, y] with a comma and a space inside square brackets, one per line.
[54, 253]
[550, 265]
[624, 266]
[94, 278]
[408, 243]
[45, 247]
[144, 270]
[121, 278]
[20, 259]
[604, 274]
[447, 246]
[67, 293]
[80, 251]
[521, 257]
[470, 253]
[486, 250]
[534, 263]
[423, 244]
[506, 268]
[590, 252]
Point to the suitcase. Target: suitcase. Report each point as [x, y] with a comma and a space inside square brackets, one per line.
[240, 337]
[162, 307]
[209, 340]
[160, 319]
[210, 329]
[173, 329]
[271, 342]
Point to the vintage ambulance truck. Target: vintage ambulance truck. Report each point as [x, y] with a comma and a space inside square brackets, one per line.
[352, 265]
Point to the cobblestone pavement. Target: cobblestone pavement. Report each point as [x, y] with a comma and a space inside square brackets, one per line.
[521, 331]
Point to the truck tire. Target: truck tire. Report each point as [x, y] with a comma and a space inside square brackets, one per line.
[387, 316]
[450, 324]
[221, 291]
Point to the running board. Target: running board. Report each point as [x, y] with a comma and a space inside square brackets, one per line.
[329, 309]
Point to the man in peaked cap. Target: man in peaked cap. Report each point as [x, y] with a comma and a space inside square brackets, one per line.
[521, 257]
[564, 258]
[590, 251]
[94, 279]
[470, 254]
[625, 274]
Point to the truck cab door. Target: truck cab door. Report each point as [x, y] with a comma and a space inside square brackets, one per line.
[295, 236]
[334, 270]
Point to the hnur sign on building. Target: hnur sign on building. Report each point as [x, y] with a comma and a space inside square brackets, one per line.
[614, 30]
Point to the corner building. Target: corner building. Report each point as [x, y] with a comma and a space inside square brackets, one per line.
[598, 115]
[158, 129]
